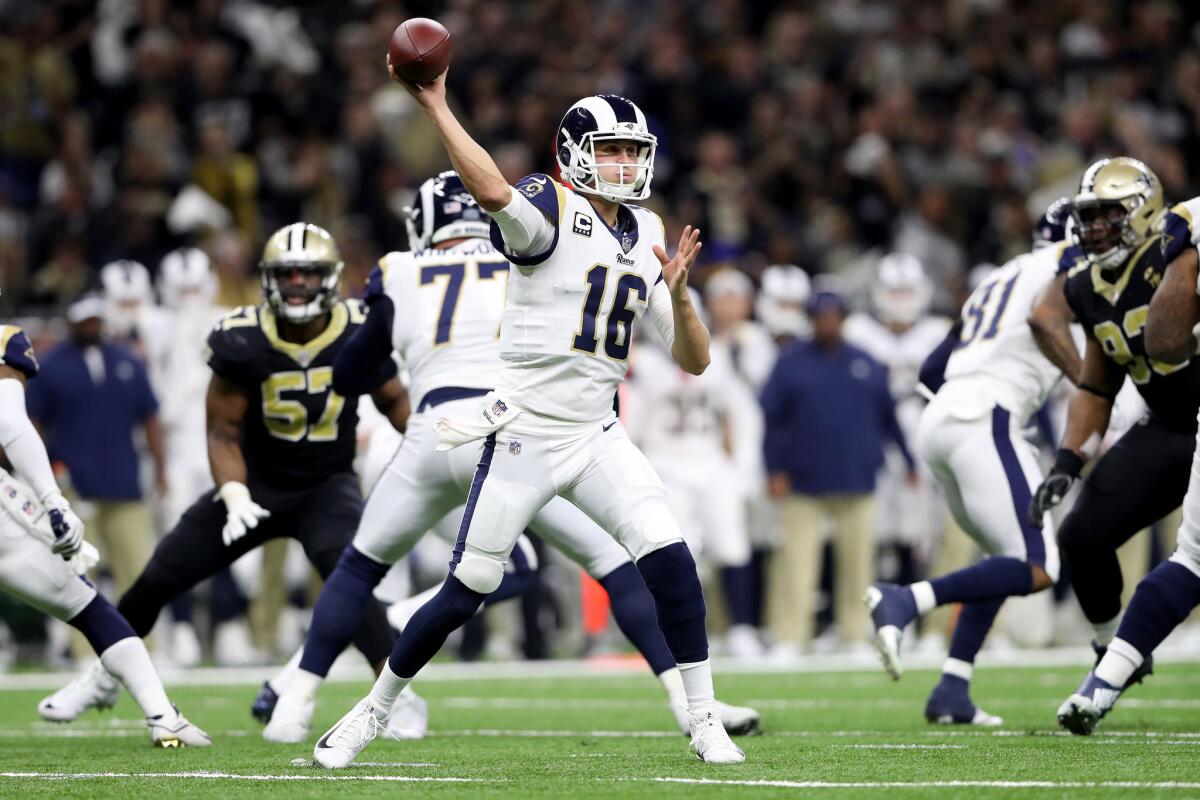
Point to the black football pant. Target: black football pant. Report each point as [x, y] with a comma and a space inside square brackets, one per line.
[322, 518]
[1140, 480]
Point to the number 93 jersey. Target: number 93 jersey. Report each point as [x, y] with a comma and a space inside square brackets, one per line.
[446, 309]
[297, 431]
[568, 323]
[996, 360]
[1114, 313]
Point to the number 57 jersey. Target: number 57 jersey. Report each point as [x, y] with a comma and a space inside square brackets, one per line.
[297, 431]
[996, 360]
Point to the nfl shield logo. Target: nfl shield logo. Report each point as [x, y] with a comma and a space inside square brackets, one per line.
[499, 408]
[626, 242]
[27, 507]
[514, 448]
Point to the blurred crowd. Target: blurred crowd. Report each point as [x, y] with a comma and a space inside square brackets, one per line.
[825, 148]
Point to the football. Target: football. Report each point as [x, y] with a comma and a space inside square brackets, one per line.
[420, 49]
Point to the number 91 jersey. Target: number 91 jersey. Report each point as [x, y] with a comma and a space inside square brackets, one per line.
[568, 323]
[297, 431]
[996, 360]
[1115, 313]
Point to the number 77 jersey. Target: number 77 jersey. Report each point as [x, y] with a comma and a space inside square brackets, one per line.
[996, 360]
[447, 305]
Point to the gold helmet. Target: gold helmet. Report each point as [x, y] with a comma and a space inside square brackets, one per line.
[312, 252]
[1118, 204]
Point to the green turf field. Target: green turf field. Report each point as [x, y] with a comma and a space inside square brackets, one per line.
[829, 735]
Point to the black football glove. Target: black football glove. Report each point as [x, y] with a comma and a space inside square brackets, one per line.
[1067, 466]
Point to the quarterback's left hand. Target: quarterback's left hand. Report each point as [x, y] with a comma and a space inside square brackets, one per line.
[675, 270]
[67, 527]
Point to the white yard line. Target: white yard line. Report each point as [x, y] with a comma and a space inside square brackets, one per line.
[233, 776]
[779, 784]
[903, 746]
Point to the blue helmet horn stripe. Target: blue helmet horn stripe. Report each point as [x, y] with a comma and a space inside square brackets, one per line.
[623, 110]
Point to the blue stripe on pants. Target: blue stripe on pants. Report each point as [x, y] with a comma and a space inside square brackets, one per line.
[481, 471]
[1018, 487]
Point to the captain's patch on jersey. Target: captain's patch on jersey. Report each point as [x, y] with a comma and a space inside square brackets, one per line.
[582, 224]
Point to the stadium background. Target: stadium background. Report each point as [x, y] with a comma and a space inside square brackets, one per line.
[816, 134]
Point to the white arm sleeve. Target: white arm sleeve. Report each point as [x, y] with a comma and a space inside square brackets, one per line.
[21, 442]
[526, 230]
[661, 310]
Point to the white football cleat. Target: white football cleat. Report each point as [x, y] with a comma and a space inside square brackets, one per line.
[349, 736]
[174, 731]
[737, 720]
[409, 717]
[291, 720]
[711, 743]
[93, 688]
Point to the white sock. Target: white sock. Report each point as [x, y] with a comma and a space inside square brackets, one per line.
[698, 686]
[958, 668]
[129, 663]
[672, 681]
[1105, 631]
[281, 681]
[922, 592]
[304, 684]
[386, 689]
[1118, 663]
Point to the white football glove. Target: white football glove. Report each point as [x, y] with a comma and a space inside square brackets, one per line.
[242, 513]
[67, 527]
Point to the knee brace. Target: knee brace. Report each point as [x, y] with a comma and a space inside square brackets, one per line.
[479, 573]
[670, 574]
[366, 570]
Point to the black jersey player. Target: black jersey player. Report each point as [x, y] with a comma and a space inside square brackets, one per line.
[281, 440]
[1118, 265]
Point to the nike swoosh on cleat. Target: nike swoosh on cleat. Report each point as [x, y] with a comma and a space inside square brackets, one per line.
[322, 742]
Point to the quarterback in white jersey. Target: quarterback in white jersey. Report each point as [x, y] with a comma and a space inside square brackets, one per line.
[900, 339]
[587, 267]
[970, 437]
[439, 307]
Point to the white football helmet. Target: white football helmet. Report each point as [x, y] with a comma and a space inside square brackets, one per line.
[127, 288]
[785, 291]
[902, 292]
[605, 117]
[185, 278]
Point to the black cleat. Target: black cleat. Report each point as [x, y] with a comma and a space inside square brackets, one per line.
[264, 705]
